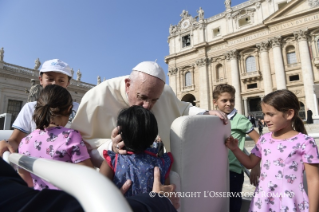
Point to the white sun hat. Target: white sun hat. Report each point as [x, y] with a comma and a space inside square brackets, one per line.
[152, 68]
[56, 65]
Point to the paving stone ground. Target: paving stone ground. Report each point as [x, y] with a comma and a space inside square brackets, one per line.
[249, 144]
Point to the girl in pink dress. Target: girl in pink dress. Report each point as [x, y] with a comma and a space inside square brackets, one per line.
[286, 151]
[51, 139]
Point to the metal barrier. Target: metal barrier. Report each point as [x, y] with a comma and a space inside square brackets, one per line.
[94, 191]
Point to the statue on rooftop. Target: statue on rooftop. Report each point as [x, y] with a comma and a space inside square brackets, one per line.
[1, 54]
[184, 14]
[228, 4]
[200, 13]
[34, 91]
[72, 72]
[79, 74]
[37, 64]
[98, 80]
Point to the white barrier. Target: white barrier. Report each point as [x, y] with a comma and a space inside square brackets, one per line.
[7, 120]
[94, 191]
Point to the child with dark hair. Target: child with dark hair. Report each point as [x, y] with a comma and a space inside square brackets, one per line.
[138, 128]
[51, 139]
[286, 152]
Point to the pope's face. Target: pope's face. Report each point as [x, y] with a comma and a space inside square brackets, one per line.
[144, 90]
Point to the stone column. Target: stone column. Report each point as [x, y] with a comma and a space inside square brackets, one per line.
[265, 66]
[278, 62]
[203, 79]
[172, 79]
[306, 67]
[245, 106]
[233, 57]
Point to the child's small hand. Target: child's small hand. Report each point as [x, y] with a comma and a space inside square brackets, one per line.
[231, 143]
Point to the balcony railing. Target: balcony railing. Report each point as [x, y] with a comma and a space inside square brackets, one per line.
[250, 76]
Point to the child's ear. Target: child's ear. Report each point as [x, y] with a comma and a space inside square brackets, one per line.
[290, 114]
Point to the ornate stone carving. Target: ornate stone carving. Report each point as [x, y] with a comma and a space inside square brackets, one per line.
[227, 5]
[301, 35]
[244, 13]
[200, 13]
[1, 54]
[173, 71]
[275, 41]
[313, 3]
[79, 75]
[98, 80]
[263, 46]
[184, 14]
[230, 55]
[258, 4]
[172, 29]
[34, 91]
[72, 72]
[37, 64]
[202, 61]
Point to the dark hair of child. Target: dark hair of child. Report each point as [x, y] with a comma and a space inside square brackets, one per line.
[53, 100]
[283, 100]
[223, 88]
[138, 128]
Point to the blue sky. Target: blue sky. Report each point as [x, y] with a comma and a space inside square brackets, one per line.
[99, 37]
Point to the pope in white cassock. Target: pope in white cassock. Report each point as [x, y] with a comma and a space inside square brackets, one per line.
[96, 117]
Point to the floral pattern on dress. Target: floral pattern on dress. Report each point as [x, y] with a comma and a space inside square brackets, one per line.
[281, 183]
[139, 168]
[58, 143]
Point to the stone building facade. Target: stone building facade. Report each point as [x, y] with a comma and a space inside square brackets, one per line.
[258, 46]
[15, 84]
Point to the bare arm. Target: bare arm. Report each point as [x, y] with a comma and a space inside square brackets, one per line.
[312, 174]
[26, 176]
[248, 161]
[106, 170]
[255, 172]
[254, 135]
[13, 142]
[86, 162]
[218, 113]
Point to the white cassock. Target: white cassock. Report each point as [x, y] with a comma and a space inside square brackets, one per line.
[100, 106]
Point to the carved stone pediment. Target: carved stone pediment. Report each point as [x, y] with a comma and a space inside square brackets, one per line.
[313, 3]
[250, 76]
[243, 13]
[186, 23]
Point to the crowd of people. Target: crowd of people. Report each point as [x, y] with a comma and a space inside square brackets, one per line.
[122, 127]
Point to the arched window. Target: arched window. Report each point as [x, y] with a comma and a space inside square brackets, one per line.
[250, 64]
[219, 72]
[188, 79]
[291, 55]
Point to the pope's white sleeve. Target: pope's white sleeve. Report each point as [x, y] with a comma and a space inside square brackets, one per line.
[196, 111]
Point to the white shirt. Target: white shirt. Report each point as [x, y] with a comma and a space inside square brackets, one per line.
[100, 106]
[25, 123]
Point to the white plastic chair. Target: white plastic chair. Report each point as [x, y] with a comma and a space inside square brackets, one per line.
[201, 161]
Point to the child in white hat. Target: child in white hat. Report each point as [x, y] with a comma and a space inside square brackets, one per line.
[52, 72]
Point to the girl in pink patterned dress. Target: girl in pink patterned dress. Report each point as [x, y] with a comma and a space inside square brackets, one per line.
[51, 140]
[285, 152]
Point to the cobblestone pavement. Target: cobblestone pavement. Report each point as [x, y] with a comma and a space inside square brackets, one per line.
[249, 144]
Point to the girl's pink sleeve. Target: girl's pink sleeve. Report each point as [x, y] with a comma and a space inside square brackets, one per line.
[257, 149]
[77, 148]
[310, 151]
